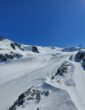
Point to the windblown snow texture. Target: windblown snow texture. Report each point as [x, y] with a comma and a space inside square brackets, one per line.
[41, 78]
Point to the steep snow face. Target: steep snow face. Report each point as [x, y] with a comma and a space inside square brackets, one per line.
[43, 78]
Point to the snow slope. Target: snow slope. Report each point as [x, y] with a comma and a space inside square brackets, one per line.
[35, 69]
[77, 90]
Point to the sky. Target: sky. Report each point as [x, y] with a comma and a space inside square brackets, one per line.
[43, 22]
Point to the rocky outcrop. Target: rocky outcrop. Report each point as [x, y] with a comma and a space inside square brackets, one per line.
[33, 95]
[64, 74]
[2, 58]
[80, 56]
[35, 49]
[14, 45]
[10, 56]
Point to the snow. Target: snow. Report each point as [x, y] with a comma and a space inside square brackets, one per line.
[77, 92]
[36, 69]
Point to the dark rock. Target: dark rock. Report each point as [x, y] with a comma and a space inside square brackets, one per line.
[19, 102]
[16, 55]
[21, 96]
[46, 93]
[63, 70]
[37, 108]
[38, 97]
[83, 63]
[34, 49]
[8, 56]
[12, 108]
[71, 57]
[19, 46]
[12, 45]
[33, 94]
[80, 56]
[2, 58]
[52, 77]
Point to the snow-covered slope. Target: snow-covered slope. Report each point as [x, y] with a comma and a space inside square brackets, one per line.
[10, 50]
[40, 78]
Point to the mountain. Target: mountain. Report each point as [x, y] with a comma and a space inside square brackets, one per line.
[70, 49]
[41, 78]
[10, 50]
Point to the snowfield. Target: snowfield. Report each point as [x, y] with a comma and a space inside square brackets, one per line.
[44, 78]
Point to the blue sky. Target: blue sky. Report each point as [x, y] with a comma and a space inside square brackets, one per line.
[43, 22]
